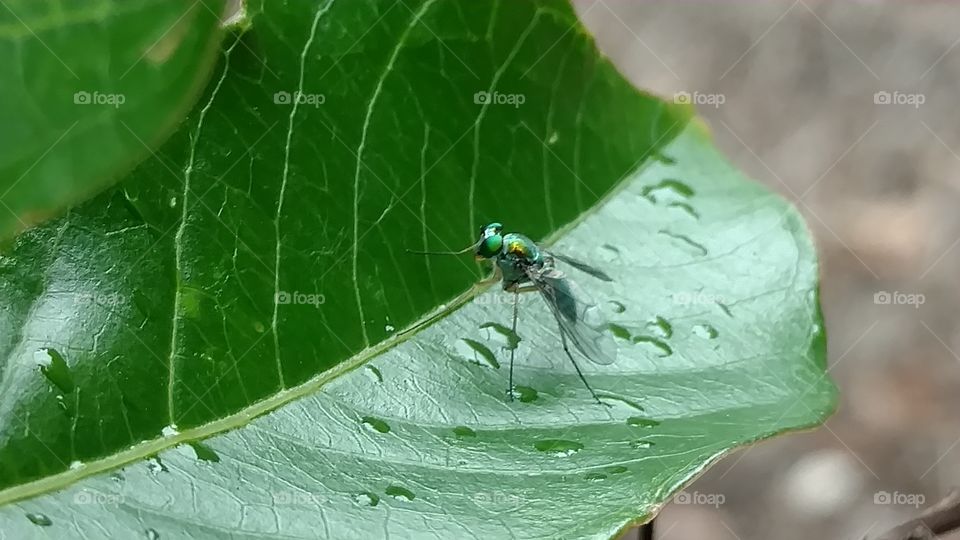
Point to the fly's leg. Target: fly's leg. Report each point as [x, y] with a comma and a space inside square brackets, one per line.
[513, 328]
[566, 349]
[494, 277]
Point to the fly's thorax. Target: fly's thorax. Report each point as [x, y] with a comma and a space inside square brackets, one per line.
[521, 248]
[518, 254]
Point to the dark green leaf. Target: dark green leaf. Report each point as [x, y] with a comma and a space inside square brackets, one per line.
[88, 88]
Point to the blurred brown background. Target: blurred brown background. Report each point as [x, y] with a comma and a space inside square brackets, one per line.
[876, 177]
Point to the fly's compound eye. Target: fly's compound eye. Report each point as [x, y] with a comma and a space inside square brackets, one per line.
[490, 246]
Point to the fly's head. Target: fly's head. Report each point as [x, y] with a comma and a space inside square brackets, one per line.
[491, 241]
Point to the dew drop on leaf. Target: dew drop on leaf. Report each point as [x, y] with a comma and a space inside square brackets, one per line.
[617, 307]
[55, 369]
[476, 352]
[639, 421]
[152, 534]
[40, 519]
[663, 350]
[558, 447]
[374, 373]
[661, 327]
[641, 444]
[464, 431]
[400, 493]
[705, 331]
[375, 424]
[155, 465]
[525, 394]
[366, 498]
[204, 452]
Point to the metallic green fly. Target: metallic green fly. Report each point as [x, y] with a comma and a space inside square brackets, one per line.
[521, 266]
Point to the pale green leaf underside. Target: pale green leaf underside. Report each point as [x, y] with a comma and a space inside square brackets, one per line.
[747, 362]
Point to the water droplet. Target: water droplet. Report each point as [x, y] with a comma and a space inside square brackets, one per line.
[375, 424]
[374, 373]
[686, 208]
[131, 195]
[464, 431]
[553, 138]
[389, 328]
[663, 158]
[661, 327]
[366, 498]
[169, 431]
[172, 202]
[705, 331]
[477, 352]
[688, 243]
[617, 307]
[618, 331]
[152, 534]
[623, 400]
[558, 447]
[594, 476]
[663, 350]
[639, 421]
[641, 444]
[40, 519]
[55, 369]
[155, 465]
[76, 465]
[400, 493]
[667, 190]
[524, 393]
[258, 326]
[512, 339]
[204, 452]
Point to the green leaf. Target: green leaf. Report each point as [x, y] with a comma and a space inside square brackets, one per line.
[252, 276]
[89, 88]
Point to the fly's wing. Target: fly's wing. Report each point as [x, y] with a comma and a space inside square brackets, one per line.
[570, 312]
[583, 267]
